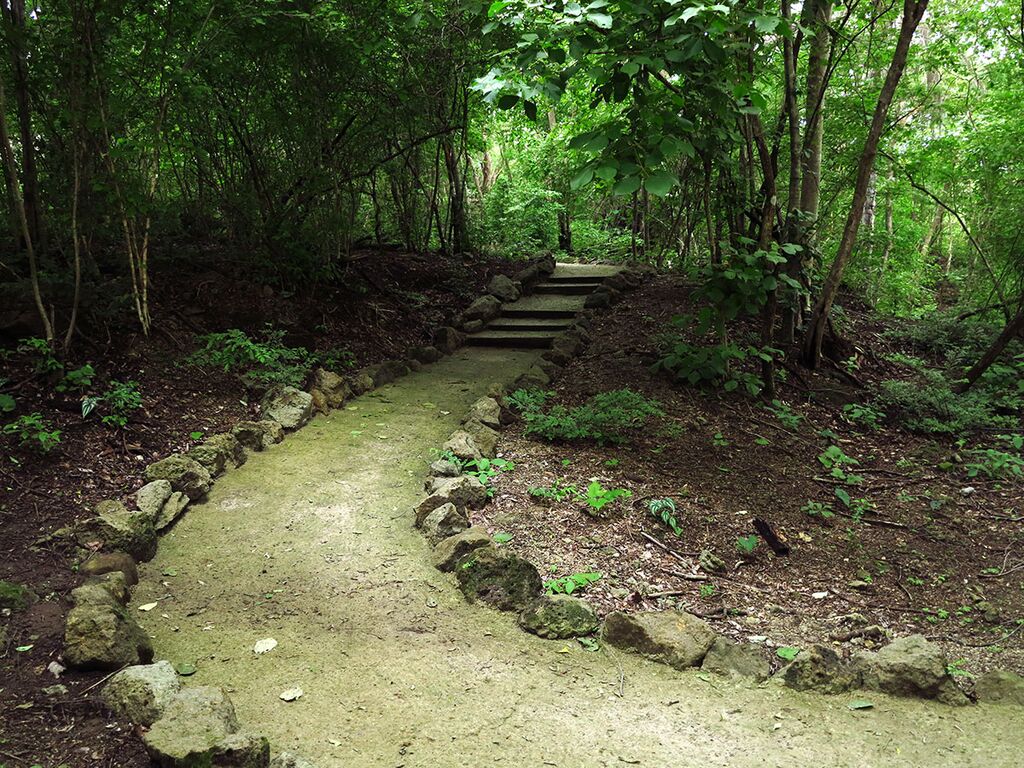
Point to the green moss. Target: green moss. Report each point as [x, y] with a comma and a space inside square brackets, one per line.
[14, 597]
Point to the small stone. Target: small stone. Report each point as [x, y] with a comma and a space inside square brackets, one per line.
[388, 372]
[598, 300]
[140, 693]
[462, 446]
[425, 355]
[446, 520]
[485, 438]
[184, 475]
[463, 492]
[288, 406]
[241, 750]
[361, 382]
[273, 432]
[472, 326]
[171, 510]
[1000, 687]
[910, 666]
[559, 616]
[151, 497]
[334, 388]
[736, 660]
[292, 694]
[503, 288]
[819, 668]
[100, 634]
[195, 721]
[109, 562]
[485, 308]
[485, 411]
[499, 578]
[130, 532]
[675, 638]
[558, 357]
[445, 468]
[448, 339]
[228, 445]
[449, 551]
[249, 434]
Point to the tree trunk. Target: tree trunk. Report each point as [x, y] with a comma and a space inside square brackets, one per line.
[814, 110]
[1012, 329]
[913, 10]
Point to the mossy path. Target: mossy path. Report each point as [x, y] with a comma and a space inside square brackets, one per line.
[311, 543]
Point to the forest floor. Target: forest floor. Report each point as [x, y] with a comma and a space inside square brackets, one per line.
[933, 552]
[393, 301]
[466, 686]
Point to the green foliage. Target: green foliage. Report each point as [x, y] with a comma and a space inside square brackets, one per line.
[40, 350]
[120, 400]
[863, 415]
[787, 652]
[820, 509]
[485, 470]
[597, 497]
[576, 582]
[785, 414]
[528, 400]
[746, 545]
[997, 464]
[927, 403]
[837, 462]
[77, 380]
[7, 403]
[557, 491]
[33, 431]
[665, 511]
[259, 363]
[605, 418]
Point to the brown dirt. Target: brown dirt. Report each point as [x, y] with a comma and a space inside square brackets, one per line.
[926, 557]
[391, 301]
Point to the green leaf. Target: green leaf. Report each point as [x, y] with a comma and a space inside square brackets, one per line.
[508, 101]
[627, 186]
[843, 496]
[503, 538]
[660, 183]
[600, 20]
[582, 178]
[787, 652]
[606, 171]
[860, 704]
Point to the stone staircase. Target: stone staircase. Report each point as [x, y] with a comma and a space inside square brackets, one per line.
[534, 321]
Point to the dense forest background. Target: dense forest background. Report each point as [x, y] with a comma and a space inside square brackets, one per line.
[775, 152]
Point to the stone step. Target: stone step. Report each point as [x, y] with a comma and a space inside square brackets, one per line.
[546, 306]
[512, 311]
[570, 278]
[517, 339]
[566, 288]
[553, 324]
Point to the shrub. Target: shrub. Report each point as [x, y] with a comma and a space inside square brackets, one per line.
[120, 400]
[259, 363]
[33, 431]
[927, 403]
[80, 379]
[605, 418]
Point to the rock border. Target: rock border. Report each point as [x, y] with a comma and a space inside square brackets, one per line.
[909, 666]
[190, 724]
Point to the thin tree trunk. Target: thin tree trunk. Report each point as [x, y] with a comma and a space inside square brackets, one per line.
[913, 10]
[1010, 332]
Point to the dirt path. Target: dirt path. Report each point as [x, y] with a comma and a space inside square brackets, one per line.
[311, 543]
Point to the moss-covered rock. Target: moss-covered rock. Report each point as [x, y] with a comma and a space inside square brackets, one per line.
[100, 633]
[184, 475]
[675, 638]
[123, 530]
[559, 616]
[499, 578]
[288, 406]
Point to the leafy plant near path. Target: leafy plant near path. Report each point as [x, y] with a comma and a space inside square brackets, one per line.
[665, 511]
[605, 418]
[597, 497]
[33, 431]
[576, 582]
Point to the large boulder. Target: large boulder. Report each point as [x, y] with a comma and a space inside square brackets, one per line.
[288, 406]
[503, 288]
[446, 520]
[461, 445]
[387, 372]
[100, 633]
[483, 309]
[448, 339]
[559, 616]
[909, 666]
[675, 638]
[119, 529]
[150, 498]
[463, 492]
[184, 475]
[449, 551]
[485, 438]
[499, 578]
[111, 562]
[194, 723]
[999, 687]
[334, 388]
[141, 693]
[485, 411]
[820, 669]
[528, 277]
[740, 660]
